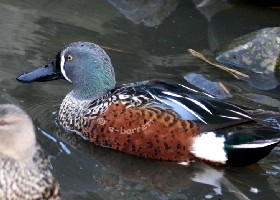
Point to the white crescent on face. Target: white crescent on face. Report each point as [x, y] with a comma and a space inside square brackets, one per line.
[62, 62]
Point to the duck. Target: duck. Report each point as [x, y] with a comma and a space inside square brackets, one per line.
[152, 119]
[24, 170]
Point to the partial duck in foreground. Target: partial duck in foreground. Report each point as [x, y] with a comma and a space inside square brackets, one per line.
[152, 119]
[24, 172]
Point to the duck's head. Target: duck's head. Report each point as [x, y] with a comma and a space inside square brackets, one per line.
[84, 64]
[17, 136]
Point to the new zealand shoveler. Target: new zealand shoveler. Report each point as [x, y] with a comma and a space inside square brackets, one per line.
[152, 119]
[24, 171]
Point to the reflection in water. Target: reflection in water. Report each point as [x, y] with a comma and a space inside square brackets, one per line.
[150, 13]
[210, 7]
[211, 177]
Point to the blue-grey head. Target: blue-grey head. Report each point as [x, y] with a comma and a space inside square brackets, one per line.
[84, 64]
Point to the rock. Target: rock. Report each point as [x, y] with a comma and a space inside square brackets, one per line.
[258, 53]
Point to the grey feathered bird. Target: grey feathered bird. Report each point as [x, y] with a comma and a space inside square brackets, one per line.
[24, 171]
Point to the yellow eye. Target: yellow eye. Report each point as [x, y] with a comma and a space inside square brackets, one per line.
[69, 57]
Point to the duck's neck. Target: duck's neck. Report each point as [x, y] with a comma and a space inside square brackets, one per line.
[93, 87]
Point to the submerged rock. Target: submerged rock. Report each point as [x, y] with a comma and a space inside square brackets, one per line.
[214, 88]
[150, 13]
[210, 7]
[258, 53]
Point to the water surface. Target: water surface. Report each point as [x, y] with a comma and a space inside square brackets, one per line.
[32, 32]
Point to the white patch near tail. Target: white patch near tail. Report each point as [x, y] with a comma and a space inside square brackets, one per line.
[209, 147]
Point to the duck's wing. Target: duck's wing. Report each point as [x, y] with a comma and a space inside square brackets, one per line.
[188, 103]
[166, 121]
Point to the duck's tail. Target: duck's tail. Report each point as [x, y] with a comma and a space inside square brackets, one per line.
[248, 146]
[238, 147]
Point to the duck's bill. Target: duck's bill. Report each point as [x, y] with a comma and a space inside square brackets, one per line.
[46, 73]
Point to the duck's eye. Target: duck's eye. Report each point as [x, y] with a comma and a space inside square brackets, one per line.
[69, 57]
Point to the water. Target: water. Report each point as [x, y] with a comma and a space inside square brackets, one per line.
[32, 32]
